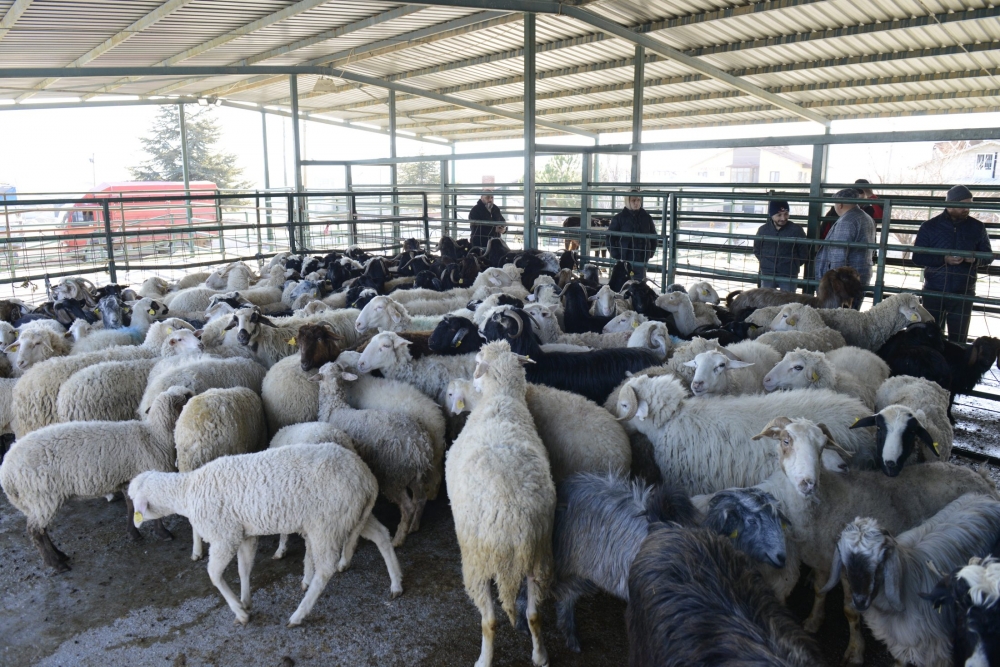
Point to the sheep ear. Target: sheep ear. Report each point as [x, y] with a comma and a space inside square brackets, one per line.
[691, 364]
[738, 364]
[524, 360]
[865, 422]
[140, 504]
[400, 342]
[891, 578]
[266, 322]
[926, 437]
[317, 378]
[13, 347]
[232, 324]
[350, 377]
[835, 566]
[198, 333]
[395, 314]
[768, 432]
[643, 411]
[592, 298]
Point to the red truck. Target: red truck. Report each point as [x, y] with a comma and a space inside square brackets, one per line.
[170, 216]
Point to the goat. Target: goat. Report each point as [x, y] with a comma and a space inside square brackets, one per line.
[838, 288]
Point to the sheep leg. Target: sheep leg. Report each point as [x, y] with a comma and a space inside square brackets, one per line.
[324, 553]
[131, 530]
[816, 616]
[50, 554]
[406, 509]
[197, 549]
[374, 530]
[161, 530]
[567, 592]
[539, 657]
[347, 555]
[219, 556]
[307, 562]
[855, 654]
[282, 547]
[244, 562]
[479, 591]
[419, 501]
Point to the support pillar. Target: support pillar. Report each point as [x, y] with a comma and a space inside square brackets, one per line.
[530, 236]
[817, 177]
[293, 86]
[585, 170]
[186, 176]
[638, 89]
[267, 175]
[393, 172]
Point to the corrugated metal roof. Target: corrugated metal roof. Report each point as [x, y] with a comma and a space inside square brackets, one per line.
[840, 58]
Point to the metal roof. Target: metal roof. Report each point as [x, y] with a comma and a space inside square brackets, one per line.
[834, 59]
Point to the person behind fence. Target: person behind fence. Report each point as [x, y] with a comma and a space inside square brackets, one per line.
[953, 229]
[853, 229]
[780, 259]
[633, 219]
[487, 214]
[874, 210]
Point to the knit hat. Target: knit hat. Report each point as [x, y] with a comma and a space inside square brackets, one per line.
[958, 193]
[775, 206]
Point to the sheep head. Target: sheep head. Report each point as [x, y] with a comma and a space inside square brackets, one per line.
[870, 557]
[247, 322]
[181, 341]
[704, 292]
[710, 374]
[543, 322]
[909, 307]
[458, 396]
[627, 321]
[318, 344]
[497, 366]
[382, 313]
[803, 447]
[800, 369]
[753, 521]
[382, 351]
[652, 336]
[896, 431]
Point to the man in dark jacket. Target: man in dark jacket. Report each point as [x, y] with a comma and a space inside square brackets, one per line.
[487, 212]
[953, 229]
[633, 219]
[780, 259]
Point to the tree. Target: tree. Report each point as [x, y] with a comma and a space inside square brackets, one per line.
[560, 169]
[205, 161]
[419, 173]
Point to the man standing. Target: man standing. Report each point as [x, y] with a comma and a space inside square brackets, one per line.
[633, 219]
[485, 211]
[954, 229]
[781, 258]
[873, 210]
[854, 228]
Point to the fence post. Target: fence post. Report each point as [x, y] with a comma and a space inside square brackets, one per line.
[584, 208]
[256, 200]
[883, 242]
[663, 228]
[291, 223]
[672, 240]
[427, 224]
[106, 209]
[222, 227]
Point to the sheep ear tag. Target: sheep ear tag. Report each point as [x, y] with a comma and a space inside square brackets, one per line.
[635, 324]
[734, 534]
[914, 317]
[937, 449]
[151, 311]
[791, 321]
[291, 341]
[137, 519]
[815, 376]
[460, 406]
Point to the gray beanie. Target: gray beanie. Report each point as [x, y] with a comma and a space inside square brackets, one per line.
[958, 193]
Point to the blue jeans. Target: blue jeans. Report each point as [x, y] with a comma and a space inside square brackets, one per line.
[785, 285]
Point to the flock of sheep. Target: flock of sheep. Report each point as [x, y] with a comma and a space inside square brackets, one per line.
[590, 436]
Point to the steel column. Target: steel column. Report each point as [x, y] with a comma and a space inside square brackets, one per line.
[443, 171]
[392, 169]
[584, 206]
[638, 88]
[816, 178]
[882, 250]
[530, 240]
[673, 203]
[267, 173]
[186, 174]
[352, 208]
[293, 86]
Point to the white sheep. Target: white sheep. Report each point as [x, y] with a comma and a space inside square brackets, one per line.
[703, 445]
[35, 345]
[804, 369]
[219, 422]
[389, 353]
[154, 287]
[734, 370]
[324, 492]
[394, 446]
[872, 328]
[703, 292]
[502, 498]
[273, 340]
[820, 340]
[199, 373]
[194, 299]
[608, 303]
[862, 364]
[144, 311]
[108, 391]
[383, 313]
[687, 315]
[592, 441]
[86, 459]
[268, 290]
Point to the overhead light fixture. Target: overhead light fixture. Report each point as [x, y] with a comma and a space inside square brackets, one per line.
[218, 102]
[202, 102]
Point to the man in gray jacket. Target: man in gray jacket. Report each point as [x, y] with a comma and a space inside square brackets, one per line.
[779, 255]
[854, 228]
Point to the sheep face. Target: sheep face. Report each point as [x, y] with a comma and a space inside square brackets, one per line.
[229, 302]
[797, 370]
[182, 341]
[672, 301]
[751, 519]
[868, 555]
[113, 313]
[382, 351]
[380, 313]
[625, 322]
[458, 392]
[800, 444]
[247, 322]
[543, 322]
[79, 329]
[454, 335]
[910, 308]
[896, 431]
[32, 347]
[152, 307]
[704, 293]
[710, 372]
[604, 302]
[146, 507]
[318, 345]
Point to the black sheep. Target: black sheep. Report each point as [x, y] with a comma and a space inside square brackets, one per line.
[455, 335]
[621, 273]
[643, 300]
[576, 311]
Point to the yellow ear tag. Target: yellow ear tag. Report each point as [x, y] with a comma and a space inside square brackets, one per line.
[16, 334]
[97, 311]
[291, 341]
[937, 449]
[152, 312]
[815, 376]
[631, 273]
[857, 419]
[792, 321]
[635, 324]
[914, 317]
[458, 343]
[733, 534]
[137, 519]
[460, 405]
[170, 330]
[461, 281]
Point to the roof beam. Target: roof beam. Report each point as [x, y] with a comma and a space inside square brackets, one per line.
[12, 15]
[149, 19]
[318, 38]
[242, 31]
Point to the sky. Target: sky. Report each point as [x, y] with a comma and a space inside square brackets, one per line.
[51, 150]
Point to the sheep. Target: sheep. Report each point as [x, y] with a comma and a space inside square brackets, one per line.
[591, 442]
[602, 519]
[862, 364]
[607, 302]
[267, 291]
[970, 594]
[503, 498]
[687, 316]
[86, 459]
[576, 311]
[35, 345]
[383, 313]
[272, 341]
[720, 373]
[838, 288]
[620, 331]
[703, 292]
[107, 391]
[887, 574]
[802, 369]
[199, 373]
[154, 287]
[394, 446]
[454, 335]
[820, 340]
[704, 444]
[237, 277]
[871, 329]
[820, 502]
[143, 312]
[324, 492]
[693, 599]
[909, 408]
[389, 353]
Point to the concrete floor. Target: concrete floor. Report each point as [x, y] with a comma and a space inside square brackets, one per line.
[147, 603]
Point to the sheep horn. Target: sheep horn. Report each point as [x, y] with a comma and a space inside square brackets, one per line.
[778, 423]
[835, 566]
[831, 443]
[633, 402]
[520, 323]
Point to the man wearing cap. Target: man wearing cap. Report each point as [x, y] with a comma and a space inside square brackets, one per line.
[854, 228]
[781, 258]
[486, 211]
[954, 229]
[633, 219]
[873, 210]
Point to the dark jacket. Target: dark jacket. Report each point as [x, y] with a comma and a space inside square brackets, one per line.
[481, 234]
[781, 259]
[942, 231]
[628, 248]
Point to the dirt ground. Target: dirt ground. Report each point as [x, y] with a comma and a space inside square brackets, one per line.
[147, 603]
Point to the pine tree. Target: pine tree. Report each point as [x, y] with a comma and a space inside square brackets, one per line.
[419, 173]
[205, 162]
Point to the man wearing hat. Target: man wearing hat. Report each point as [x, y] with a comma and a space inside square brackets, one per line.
[780, 259]
[488, 212]
[954, 229]
[854, 228]
[633, 219]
